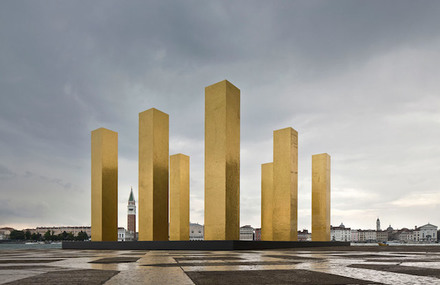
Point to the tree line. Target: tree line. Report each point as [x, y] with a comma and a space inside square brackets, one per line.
[48, 236]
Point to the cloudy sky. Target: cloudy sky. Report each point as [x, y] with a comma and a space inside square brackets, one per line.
[357, 79]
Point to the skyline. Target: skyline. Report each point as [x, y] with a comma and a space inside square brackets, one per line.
[356, 79]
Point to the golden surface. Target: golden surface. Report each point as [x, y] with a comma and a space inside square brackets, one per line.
[222, 161]
[104, 185]
[266, 201]
[321, 197]
[285, 185]
[179, 197]
[153, 175]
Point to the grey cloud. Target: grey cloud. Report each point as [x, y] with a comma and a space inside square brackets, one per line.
[6, 173]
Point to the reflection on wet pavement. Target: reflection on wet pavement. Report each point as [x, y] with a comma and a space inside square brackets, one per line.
[318, 266]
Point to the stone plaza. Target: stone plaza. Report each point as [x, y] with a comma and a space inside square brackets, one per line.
[338, 265]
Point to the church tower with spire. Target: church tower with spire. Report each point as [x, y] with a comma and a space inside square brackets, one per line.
[378, 225]
[131, 215]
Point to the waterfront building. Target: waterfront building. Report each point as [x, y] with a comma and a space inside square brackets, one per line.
[404, 235]
[131, 218]
[121, 234]
[75, 230]
[246, 233]
[340, 233]
[5, 232]
[354, 235]
[367, 235]
[257, 234]
[427, 233]
[196, 231]
[381, 236]
[304, 235]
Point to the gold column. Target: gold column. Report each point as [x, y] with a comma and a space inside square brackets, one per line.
[179, 197]
[222, 161]
[285, 184]
[104, 185]
[321, 197]
[266, 201]
[153, 175]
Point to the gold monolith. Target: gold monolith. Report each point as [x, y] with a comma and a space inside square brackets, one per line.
[153, 175]
[179, 197]
[285, 185]
[104, 185]
[266, 201]
[222, 161]
[321, 197]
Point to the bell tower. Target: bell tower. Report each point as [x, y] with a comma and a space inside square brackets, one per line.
[131, 214]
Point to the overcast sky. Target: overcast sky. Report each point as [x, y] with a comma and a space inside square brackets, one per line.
[357, 79]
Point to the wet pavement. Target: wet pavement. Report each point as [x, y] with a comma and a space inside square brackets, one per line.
[342, 265]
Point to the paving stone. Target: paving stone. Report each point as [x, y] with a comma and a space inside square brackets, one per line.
[270, 277]
[292, 257]
[85, 276]
[109, 260]
[179, 259]
[10, 261]
[221, 263]
[419, 271]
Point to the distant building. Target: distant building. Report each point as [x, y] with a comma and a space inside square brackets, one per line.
[340, 233]
[246, 233]
[367, 235]
[257, 234]
[121, 234]
[131, 218]
[427, 233]
[5, 232]
[404, 235]
[58, 230]
[196, 231]
[354, 235]
[304, 235]
[390, 232]
[381, 236]
[378, 225]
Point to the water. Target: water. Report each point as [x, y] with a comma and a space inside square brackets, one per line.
[9, 246]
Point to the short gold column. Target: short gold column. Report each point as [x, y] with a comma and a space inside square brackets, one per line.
[153, 175]
[222, 161]
[285, 185]
[179, 197]
[104, 185]
[321, 197]
[266, 201]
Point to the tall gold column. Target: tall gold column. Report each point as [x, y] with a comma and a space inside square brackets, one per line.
[266, 201]
[285, 184]
[153, 175]
[222, 161]
[321, 197]
[179, 197]
[104, 185]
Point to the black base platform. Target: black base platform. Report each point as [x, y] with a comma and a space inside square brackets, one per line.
[197, 245]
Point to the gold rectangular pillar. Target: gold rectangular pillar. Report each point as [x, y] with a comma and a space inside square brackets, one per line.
[153, 175]
[321, 197]
[285, 185]
[179, 197]
[104, 185]
[222, 161]
[266, 201]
